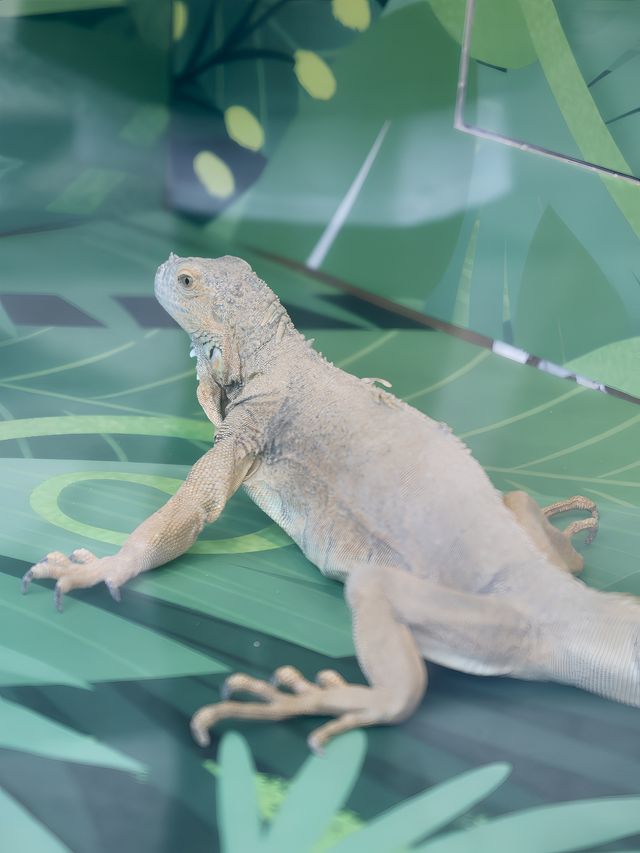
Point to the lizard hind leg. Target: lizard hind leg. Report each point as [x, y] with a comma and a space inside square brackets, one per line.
[555, 544]
[398, 620]
[577, 502]
[388, 654]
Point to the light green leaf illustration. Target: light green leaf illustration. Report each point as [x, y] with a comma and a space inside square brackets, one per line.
[237, 797]
[16, 667]
[16, 8]
[569, 306]
[25, 730]
[116, 424]
[549, 829]
[461, 307]
[425, 813]
[21, 831]
[326, 783]
[271, 792]
[499, 36]
[575, 100]
[146, 125]
[92, 644]
[86, 193]
[615, 364]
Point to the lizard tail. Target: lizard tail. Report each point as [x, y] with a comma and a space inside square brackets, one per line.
[599, 647]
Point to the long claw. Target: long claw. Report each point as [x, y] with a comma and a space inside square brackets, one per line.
[315, 745]
[114, 591]
[200, 734]
[58, 597]
[26, 580]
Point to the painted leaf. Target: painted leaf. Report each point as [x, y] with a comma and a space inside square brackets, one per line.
[362, 226]
[500, 35]
[19, 668]
[425, 813]
[254, 70]
[146, 126]
[615, 364]
[87, 192]
[549, 829]
[16, 8]
[180, 19]
[92, 644]
[239, 818]
[25, 730]
[325, 781]
[314, 75]
[272, 792]
[566, 306]
[214, 174]
[354, 14]
[244, 128]
[21, 831]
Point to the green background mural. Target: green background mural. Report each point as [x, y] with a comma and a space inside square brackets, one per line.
[316, 140]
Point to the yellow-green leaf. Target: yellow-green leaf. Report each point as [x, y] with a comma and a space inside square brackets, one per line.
[244, 128]
[180, 19]
[355, 14]
[314, 75]
[214, 174]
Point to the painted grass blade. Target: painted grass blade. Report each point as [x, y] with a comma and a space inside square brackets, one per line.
[318, 791]
[238, 814]
[21, 831]
[550, 829]
[425, 813]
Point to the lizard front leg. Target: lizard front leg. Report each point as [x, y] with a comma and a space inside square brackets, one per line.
[165, 535]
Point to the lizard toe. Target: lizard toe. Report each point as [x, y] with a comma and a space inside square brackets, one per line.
[239, 682]
[26, 581]
[292, 679]
[330, 678]
[81, 556]
[114, 590]
[321, 736]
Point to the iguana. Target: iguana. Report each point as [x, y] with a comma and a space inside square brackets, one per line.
[437, 564]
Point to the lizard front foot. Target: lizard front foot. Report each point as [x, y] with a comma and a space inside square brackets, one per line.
[81, 569]
[331, 695]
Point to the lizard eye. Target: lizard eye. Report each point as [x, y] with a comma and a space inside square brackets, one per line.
[185, 280]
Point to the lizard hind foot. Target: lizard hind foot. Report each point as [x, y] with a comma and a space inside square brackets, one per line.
[290, 694]
[577, 503]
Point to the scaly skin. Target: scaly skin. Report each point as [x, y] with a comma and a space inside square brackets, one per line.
[437, 564]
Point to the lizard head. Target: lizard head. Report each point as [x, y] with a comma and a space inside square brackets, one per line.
[229, 313]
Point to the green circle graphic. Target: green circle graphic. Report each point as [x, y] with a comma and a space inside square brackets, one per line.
[44, 502]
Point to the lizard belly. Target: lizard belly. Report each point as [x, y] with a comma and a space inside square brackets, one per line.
[327, 531]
